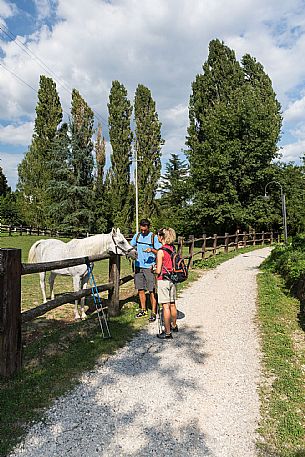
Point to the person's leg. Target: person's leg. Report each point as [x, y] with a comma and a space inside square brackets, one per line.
[173, 312]
[142, 298]
[153, 302]
[167, 317]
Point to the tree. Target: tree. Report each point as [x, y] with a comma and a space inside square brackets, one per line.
[234, 127]
[120, 134]
[102, 204]
[148, 144]
[59, 180]
[174, 194]
[4, 188]
[33, 173]
[81, 196]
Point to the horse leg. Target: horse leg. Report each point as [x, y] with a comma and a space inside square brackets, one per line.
[83, 299]
[76, 287]
[42, 277]
[51, 282]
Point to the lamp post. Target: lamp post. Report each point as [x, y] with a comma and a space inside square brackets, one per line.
[283, 198]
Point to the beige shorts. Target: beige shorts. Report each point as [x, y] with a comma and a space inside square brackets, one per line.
[166, 291]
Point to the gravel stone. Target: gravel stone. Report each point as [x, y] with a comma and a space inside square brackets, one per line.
[195, 395]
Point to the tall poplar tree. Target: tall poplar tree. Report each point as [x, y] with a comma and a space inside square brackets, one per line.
[234, 127]
[120, 134]
[81, 214]
[33, 172]
[148, 144]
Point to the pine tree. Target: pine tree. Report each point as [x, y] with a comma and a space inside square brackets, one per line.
[59, 179]
[234, 127]
[120, 134]
[81, 214]
[33, 172]
[174, 194]
[148, 144]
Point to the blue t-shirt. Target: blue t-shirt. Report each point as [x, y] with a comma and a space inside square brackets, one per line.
[145, 259]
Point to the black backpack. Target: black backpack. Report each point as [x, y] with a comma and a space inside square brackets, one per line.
[179, 272]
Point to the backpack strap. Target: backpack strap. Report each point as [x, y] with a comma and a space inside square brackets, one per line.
[169, 251]
[152, 241]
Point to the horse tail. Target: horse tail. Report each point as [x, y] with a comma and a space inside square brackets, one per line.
[32, 257]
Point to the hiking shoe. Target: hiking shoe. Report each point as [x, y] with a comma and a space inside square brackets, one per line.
[174, 329]
[165, 336]
[141, 313]
[152, 318]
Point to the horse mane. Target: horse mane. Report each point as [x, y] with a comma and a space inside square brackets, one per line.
[95, 244]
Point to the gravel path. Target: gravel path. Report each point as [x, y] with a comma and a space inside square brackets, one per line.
[193, 396]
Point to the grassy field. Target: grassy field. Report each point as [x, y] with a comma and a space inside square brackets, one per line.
[282, 426]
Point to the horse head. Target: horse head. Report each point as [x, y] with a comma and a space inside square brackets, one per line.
[120, 245]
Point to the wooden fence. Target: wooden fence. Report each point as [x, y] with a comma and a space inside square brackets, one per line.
[40, 231]
[11, 317]
[12, 270]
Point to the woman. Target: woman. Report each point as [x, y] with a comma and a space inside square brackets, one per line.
[166, 289]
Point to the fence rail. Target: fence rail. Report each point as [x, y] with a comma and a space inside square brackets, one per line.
[12, 270]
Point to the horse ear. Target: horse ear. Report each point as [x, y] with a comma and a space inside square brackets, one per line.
[118, 231]
[113, 231]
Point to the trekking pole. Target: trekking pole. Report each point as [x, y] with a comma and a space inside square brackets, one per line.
[98, 304]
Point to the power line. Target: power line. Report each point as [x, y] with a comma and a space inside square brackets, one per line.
[41, 63]
[24, 82]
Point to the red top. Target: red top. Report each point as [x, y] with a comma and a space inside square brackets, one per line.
[167, 260]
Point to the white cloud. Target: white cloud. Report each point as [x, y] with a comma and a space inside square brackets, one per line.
[161, 44]
[6, 9]
[17, 134]
[293, 152]
[9, 163]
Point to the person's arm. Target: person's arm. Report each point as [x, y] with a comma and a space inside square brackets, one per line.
[133, 242]
[157, 244]
[160, 255]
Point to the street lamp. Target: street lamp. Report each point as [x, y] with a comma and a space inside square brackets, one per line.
[283, 198]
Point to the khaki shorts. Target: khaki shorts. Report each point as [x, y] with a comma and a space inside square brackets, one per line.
[166, 291]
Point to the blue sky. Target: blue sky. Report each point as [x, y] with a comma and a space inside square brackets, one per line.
[160, 43]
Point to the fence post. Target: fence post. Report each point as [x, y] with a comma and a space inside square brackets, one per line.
[191, 249]
[236, 239]
[254, 238]
[20, 230]
[271, 237]
[245, 239]
[38, 230]
[226, 243]
[10, 311]
[9, 230]
[215, 244]
[114, 276]
[180, 244]
[263, 238]
[204, 243]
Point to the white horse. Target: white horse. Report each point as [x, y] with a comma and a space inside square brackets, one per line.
[53, 250]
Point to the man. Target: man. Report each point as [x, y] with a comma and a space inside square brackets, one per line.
[147, 245]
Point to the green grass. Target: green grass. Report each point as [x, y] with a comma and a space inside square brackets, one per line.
[282, 426]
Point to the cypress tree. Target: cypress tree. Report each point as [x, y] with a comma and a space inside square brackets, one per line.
[33, 172]
[81, 214]
[120, 134]
[148, 144]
